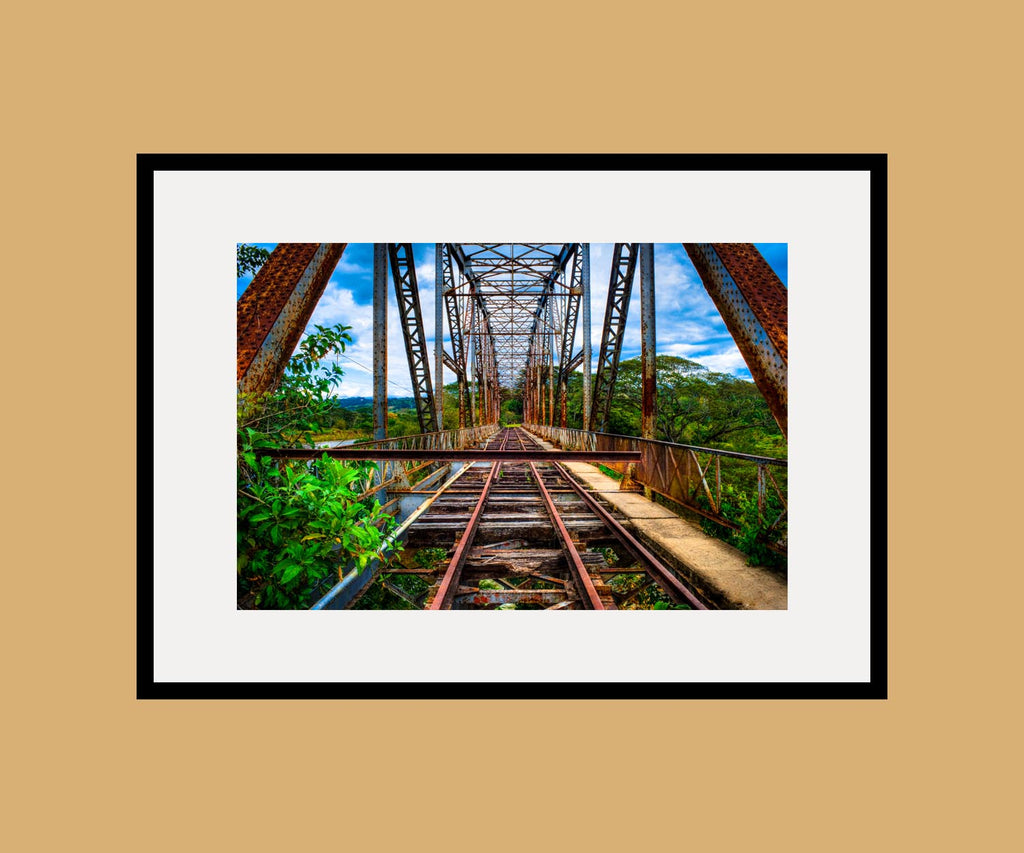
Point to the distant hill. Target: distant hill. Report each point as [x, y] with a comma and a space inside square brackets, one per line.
[367, 402]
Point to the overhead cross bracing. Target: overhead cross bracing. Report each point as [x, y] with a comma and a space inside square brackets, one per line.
[520, 291]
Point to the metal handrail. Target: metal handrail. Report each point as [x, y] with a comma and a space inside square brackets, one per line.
[763, 460]
[677, 472]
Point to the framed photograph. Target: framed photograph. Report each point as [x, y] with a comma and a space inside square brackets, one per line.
[717, 477]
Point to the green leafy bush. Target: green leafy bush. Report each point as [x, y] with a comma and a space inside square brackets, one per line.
[299, 522]
[755, 533]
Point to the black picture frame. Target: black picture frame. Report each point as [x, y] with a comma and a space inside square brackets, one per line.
[146, 686]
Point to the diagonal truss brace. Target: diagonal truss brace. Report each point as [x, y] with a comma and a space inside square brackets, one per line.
[572, 313]
[403, 270]
[275, 308]
[753, 302]
[457, 360]
[620, 288]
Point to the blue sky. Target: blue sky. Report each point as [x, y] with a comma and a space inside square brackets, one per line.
[687, 322]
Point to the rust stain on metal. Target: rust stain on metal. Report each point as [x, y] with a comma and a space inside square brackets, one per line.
[268, 312]
[763, 289]
[753, 303]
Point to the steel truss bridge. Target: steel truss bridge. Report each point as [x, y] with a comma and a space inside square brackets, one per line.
[518, 319]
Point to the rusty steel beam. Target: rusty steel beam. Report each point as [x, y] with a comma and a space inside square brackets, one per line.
[490, 597]
[471, 374]
[275, 308]
[753, 303]
[388, 454]
[439, 333]
[552, 379]
[620, 288]
[380, 341]
[586, 354]
[572, 313]
[403, 271]
[455, 322]
[648, 364]
[450, 581]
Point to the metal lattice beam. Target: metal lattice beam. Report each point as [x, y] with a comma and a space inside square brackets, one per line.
[403, 271]
[620, 288]
[572, 312]
[456, 319]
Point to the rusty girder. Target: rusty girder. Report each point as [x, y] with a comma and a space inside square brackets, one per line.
[572, 311]
[455, 325]
[753, 303]
[620, 288]
[648, 362]
[275, 308]
[403, 271]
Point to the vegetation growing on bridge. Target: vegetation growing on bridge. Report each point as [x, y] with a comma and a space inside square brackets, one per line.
[297, 522]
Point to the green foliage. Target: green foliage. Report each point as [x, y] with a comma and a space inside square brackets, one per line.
[511, 409]
[638, 593]
[392, 592]
[755, 532]
[249, 259]
[697, 406]
[298, 522]
[430, 558]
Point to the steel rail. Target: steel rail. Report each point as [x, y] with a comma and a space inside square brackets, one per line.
[664, 576]
[582, 576]
[450, 581]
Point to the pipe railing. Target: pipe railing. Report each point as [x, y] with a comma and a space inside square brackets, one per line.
[712, 483]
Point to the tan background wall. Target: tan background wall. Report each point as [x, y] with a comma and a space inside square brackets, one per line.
[89, 85]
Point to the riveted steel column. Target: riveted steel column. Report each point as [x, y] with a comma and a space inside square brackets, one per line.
[538, 399]
[439, 333]
[275, 308]
[473, 339]
[566, 360]
[551, 358]
[649, 399]
[585, 249]
[753, 303]
[380, 341]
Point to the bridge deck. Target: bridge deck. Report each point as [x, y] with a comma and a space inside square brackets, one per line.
[715, 569]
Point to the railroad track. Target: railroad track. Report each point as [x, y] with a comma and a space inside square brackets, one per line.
[527, 535]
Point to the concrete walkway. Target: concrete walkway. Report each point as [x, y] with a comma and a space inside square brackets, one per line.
[716, 570]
